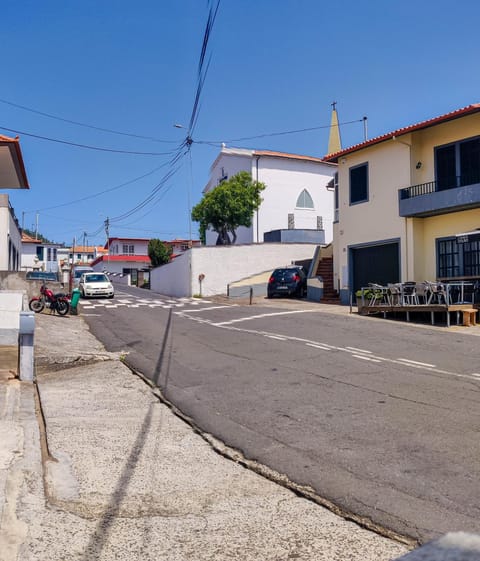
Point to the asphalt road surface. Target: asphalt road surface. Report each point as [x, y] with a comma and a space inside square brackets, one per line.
[379, 417]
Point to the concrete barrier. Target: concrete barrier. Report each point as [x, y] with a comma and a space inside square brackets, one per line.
[11, 304]
[454, 546]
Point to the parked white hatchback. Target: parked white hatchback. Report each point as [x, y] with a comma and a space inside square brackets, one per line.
[95, 284]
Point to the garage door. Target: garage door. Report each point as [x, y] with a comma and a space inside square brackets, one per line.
[375, 263]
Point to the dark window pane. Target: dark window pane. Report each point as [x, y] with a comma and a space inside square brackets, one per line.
[470, 162]
[359, 184]
[446, 170]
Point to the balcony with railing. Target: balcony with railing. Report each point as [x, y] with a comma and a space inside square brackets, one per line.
[444, 195]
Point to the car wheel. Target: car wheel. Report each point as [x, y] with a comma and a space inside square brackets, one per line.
[111, 296]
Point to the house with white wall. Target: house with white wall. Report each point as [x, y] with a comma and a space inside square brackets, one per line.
[80, 254]
[407, 204]
[297, 206]
[38, 255]
[125, 256]
[12, 176]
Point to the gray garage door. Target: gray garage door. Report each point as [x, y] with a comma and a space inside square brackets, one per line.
[375, 263]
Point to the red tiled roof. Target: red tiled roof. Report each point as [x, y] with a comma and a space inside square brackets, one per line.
[288, 156]
[126, 258]
[15, 142]
[29, 239]
[469, 110]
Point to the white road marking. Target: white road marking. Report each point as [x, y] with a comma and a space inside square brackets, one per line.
[358, 350]
[259, 316]
[205, 309]
[367, 358]
[318, 346]
[416, 362]
[276, 337]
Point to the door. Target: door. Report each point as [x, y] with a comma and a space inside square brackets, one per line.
[376, 263]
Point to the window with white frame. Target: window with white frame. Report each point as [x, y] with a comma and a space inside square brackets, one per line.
[128, 249]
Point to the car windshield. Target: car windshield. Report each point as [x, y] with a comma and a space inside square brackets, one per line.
[79, 273]
[96, 277]
[286, 274]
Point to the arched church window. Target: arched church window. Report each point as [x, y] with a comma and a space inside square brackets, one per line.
[304, 200]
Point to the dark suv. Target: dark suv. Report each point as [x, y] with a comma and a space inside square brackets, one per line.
[287, 281]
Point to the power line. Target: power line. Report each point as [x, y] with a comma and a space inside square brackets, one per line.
[202, 66]
[78, 123]
[86, 146]
[219, 142]
[109, 190]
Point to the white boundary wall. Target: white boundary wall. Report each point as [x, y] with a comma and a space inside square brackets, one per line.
[221, 266]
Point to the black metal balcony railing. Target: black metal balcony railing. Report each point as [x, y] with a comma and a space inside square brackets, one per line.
[441, 184]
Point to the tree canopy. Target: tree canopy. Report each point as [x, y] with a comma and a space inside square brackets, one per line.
[159, 252]
[227, 206]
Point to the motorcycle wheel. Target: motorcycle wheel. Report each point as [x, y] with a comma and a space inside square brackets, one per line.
[36, 305]
[63, 307]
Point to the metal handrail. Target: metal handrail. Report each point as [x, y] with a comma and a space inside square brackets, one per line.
[439, 185]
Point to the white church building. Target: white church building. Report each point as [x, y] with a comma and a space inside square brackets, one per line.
[297, 202]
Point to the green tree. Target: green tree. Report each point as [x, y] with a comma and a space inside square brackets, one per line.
[159, 252]
[228, 206]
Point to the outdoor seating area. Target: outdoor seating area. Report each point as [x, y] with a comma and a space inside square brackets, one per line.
[461, 297]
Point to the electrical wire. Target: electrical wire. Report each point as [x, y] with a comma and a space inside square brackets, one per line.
[86, 146]
[111, 131]
[270, 134]
[202, 66]
[100, 193]
[173, 168]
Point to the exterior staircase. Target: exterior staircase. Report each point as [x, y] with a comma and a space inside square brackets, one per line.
[325, 270]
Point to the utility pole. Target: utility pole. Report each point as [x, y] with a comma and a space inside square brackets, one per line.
[36, 226]
[107, 232]
[365, 135]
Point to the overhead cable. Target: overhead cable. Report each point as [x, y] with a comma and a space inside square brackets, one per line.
[219, 142]
[100, 193]
[112, 131]
[86, 146]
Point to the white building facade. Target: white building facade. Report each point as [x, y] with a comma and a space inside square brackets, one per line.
[12, 176]
[38, 255]
[10, 237]
[296, 201]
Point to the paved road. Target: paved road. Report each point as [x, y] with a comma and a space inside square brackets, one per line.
[380, 418]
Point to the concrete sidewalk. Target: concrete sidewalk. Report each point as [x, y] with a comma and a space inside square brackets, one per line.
[117, 475]
[104, 470]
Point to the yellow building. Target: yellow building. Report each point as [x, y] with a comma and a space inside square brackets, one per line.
[407, 204]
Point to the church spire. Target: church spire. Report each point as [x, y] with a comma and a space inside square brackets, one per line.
[334, 142]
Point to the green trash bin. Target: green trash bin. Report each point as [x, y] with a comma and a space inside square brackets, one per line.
[74, 301]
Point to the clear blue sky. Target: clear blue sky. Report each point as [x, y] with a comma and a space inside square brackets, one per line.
[276, 65]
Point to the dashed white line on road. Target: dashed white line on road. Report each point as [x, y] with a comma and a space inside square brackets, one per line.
[363, 357]
[276, 337]
[416, 362]
[358, 350]
[315, 346]
[259, 316]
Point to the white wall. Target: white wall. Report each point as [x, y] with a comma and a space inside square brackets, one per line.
[285, 179]
[173, 279]
[221, 266]
[140, 247]
[9, 230]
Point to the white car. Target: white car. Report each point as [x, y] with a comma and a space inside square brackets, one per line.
[95, 284]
